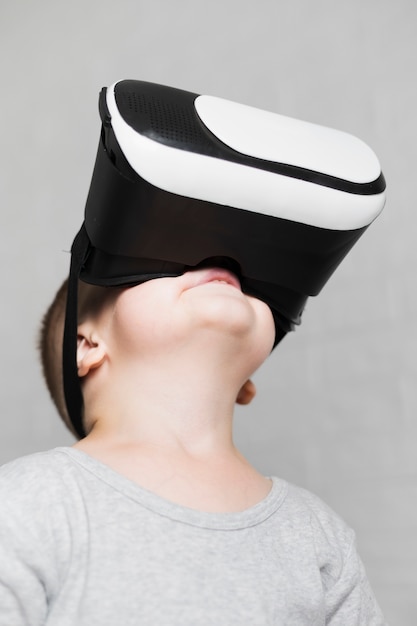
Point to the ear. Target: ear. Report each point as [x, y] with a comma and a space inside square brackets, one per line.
[91, 351]
[247, 393]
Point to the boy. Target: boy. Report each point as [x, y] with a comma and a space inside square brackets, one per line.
[154, 517]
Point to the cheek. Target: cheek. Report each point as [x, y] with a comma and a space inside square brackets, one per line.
[141, 314]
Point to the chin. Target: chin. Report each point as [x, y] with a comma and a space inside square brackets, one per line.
[244, 324]
[231, 312]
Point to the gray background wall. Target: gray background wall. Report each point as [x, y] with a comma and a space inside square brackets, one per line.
[336, 405]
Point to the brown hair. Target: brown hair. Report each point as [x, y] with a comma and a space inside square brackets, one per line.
[91, 299]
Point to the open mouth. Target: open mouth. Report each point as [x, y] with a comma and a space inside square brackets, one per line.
[221, 276]
[220, 270]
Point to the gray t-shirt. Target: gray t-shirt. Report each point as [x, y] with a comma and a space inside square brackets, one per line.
[81, 545]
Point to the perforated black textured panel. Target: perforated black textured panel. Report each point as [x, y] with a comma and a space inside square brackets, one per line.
[162, 113]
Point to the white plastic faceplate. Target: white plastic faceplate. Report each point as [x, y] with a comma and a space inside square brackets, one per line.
[283, 139]
[268, 136]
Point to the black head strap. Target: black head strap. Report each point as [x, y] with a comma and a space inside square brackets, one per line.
[72, 389]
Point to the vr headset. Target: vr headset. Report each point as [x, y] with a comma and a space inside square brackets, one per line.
[183, 179]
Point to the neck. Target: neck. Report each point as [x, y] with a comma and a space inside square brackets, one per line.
[184, 404]
[168, 427]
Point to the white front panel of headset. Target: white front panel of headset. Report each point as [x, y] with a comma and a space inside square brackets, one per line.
[286, 140]
[243, 187]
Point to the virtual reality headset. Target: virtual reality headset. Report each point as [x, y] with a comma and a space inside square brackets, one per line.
[183, 179]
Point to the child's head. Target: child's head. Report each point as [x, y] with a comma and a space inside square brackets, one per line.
[157, 322]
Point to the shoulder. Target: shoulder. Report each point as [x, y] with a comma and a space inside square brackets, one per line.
[320, 515]
[321, 529]
[311, 510]
[33, 512]
[35, 536]
[348, 595]
[31, 474]
[33, 485]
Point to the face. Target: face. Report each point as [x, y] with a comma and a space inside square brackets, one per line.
[201, 308]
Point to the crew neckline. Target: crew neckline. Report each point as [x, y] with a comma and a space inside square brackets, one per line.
[251, 516]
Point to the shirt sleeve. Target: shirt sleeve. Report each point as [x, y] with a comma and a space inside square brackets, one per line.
[23, 599]
[26, 565]
[347, 594]
[350, 600]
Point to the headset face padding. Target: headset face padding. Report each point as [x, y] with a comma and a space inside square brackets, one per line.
[181, 178]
